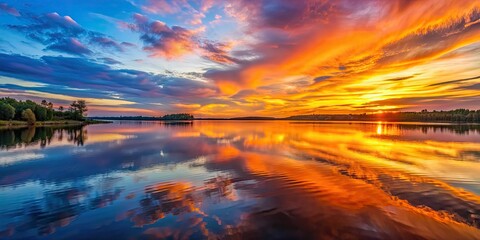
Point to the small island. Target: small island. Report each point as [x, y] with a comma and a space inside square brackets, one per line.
[17, 113]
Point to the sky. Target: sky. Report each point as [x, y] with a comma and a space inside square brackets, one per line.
[215, 58]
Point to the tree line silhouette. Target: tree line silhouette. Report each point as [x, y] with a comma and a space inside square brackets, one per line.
[30, 111]
[457, 115]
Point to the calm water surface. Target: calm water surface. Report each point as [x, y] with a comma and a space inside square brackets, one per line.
[241, 180]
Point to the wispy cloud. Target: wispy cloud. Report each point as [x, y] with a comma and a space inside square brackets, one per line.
[10, 10]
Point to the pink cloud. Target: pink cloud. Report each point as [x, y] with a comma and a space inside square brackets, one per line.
[162, 6]
[10, 10]
[161, 40]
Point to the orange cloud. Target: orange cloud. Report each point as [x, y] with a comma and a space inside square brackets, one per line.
[359, 48]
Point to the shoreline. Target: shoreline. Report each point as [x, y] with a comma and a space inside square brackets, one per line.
[59, 123]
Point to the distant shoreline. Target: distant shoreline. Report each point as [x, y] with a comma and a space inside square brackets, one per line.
[287, 119]
[334, 120]
[450, 116]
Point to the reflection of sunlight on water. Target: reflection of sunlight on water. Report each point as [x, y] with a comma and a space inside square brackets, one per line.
[187, 134]
[229, 140]
[379, 128]
[410, 156]
[106, 137]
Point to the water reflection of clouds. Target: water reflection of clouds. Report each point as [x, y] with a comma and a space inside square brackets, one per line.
[59, 206]
[222, 179]
[15, 157]
[184, 201]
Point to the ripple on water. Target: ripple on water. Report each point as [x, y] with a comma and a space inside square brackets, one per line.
[222, 180]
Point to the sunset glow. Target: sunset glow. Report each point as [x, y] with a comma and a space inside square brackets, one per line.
[215, 58]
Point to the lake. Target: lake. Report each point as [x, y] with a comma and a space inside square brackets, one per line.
[241, 180]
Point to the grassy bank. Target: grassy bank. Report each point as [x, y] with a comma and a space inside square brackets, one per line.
[15, 123]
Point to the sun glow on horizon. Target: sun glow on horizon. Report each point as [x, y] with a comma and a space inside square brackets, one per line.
[235, 58]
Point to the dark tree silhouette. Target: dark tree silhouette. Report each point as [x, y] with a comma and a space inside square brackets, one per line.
[79, 109]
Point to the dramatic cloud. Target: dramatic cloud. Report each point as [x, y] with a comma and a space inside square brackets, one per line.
[161, 40]
[266, 57]
[77, 75]
[62, 34]
[305, 37]
[347, 42]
